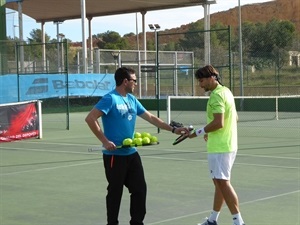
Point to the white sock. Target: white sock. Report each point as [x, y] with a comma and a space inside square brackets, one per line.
[213, 216]
[237, 219]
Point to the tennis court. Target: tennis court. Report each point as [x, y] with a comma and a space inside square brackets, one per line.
[56, 181]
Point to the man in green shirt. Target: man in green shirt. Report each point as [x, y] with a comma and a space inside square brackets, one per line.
[220, 133]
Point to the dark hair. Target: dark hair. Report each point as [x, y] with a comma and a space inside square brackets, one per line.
[123, 73]
[207, 71]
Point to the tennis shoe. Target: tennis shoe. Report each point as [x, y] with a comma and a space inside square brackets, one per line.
[207, 222]
[237, 223]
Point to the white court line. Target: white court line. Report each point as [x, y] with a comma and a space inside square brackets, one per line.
[49, 151]
[157, 157]
[167, 220]
[207, 211]
[165, 149]
[205, 161]
[48, 168]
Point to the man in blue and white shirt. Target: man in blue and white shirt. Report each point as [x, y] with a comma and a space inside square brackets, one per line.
[123, 167]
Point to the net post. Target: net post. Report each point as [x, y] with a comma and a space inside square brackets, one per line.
[276, 108]
[169, 109]
[39, 106]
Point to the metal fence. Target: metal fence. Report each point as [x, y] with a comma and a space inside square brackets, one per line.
[266, 71]
[144, 63]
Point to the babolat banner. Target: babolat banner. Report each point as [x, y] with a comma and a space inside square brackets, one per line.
[41, 86]
[18, 121]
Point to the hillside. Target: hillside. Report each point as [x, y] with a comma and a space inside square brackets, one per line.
[261, 12]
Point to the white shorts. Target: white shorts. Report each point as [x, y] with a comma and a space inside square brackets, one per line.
[220, 165]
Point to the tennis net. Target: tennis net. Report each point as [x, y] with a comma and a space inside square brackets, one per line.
[191, 109]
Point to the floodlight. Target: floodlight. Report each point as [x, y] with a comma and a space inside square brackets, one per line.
[151, 26]
[157, 26]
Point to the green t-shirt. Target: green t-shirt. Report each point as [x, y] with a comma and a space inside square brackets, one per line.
[225, 139]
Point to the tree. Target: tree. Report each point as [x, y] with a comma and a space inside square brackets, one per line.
[265, 41]
[193, 38]
[36, 37]
[111, 40]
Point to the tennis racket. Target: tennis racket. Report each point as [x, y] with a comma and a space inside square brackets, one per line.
[183, 136]
[122, 146]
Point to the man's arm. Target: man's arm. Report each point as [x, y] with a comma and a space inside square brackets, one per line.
[216, 124]
[92, 121]
[161, 124]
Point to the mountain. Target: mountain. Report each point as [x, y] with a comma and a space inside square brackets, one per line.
[259, 12]
[262, 12]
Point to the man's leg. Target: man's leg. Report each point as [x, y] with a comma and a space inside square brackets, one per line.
[218, 198]
[115, 170]
[136, 184]
[231, 200]
[226, 192]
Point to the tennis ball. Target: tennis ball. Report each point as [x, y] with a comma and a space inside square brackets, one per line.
[138, 141]
[153, 139]
[146, 134]
[146, 140]
[127, 141]
[137, 135]
[135, 140]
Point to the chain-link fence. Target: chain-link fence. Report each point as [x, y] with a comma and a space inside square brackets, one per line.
[28, 69]
[268, 69]
[144, 63]
[271, 63]
[179, 78]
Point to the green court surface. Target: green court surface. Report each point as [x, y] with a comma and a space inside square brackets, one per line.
[56, 181]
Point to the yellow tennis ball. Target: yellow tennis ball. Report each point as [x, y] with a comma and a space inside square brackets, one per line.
[146, 140]
[137, 135]
[153, 139]
[127, 141]
[146, 134]
[138, 141]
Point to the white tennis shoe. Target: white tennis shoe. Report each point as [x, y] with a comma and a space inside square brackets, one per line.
[208, 222]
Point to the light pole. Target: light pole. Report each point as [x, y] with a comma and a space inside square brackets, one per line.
[116, 55]
[156, 27]
[241, 57]
[57, 38]
[62, 36]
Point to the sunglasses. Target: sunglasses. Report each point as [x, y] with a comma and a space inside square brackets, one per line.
[132, 80]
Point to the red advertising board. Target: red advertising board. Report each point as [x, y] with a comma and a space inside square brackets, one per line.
[18, 122]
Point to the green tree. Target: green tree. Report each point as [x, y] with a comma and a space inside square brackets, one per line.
[263, 42]
[193, 38]
[111, 40]
[36, 37]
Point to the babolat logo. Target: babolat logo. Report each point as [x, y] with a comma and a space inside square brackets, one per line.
[59, 84]
[49, 86]
[40, 86]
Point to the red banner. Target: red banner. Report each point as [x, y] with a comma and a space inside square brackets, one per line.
[18, 122]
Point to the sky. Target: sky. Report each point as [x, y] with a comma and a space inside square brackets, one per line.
[123, 24]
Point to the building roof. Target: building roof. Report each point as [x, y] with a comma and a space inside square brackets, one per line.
[57, 10]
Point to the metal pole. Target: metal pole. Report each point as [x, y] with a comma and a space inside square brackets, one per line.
[157, 76]
[20, 12]
[138, 55]
[145, 53]
[241, 57]
[84, 50]
[57, 37]
[207, 33]
[44, 46]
